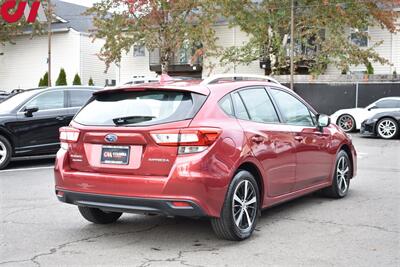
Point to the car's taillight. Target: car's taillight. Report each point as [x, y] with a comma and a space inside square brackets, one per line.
[187, 140]
[68, 135]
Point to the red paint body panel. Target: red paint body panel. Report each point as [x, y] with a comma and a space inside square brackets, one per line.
[291, 160]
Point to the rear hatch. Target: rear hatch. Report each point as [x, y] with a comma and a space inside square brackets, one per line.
[115, 131]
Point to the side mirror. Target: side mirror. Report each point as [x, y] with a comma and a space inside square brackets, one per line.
[323, 121]
[30, 110]
[371, 108]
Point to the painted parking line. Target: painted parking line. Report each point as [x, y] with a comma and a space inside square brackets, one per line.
[361, 155]
[28, 169]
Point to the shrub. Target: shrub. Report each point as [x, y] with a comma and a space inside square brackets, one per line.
[77, 80]
[370, 69]
[62, 78]
[91, 83]
[45, 80]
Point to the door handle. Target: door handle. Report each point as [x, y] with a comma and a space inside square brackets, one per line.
[60, 118]
[258, 139]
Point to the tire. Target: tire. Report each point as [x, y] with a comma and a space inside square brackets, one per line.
[5, 152]
[347, 123]
[387, 128]
[341, 177]
[225, 226]
[98, 216]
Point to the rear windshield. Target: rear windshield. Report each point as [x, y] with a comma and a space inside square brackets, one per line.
[139, 108]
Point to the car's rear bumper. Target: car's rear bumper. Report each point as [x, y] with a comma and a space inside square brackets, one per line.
[165, 207]
[203, 187]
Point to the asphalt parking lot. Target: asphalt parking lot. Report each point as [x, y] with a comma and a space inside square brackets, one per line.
[360, 230]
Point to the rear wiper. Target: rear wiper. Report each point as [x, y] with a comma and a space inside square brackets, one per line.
[132, 120]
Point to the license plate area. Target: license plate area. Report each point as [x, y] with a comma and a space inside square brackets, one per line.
[116, 155]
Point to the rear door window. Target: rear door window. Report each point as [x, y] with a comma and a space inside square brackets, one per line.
[240, 109]
[139, 108]
[78, 98]
[226, 105]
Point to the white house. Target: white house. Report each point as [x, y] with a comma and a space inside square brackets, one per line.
[24, 63]
[134, 63]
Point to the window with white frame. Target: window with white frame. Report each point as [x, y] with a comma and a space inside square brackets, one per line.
[139, 51]
[359, 36]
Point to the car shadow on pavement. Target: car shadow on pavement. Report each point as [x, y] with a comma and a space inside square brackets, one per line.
[20, 164]
[159, 231]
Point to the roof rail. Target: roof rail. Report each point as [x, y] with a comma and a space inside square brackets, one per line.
[216, 78]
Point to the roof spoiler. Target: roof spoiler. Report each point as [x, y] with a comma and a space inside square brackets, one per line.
[237, 77]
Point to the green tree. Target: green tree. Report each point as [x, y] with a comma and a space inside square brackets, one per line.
[40, 82]
[167, 25]
[62, 78]
[370, 69]
[321, 32]
[91, 83]
[77, 80]
[46, 79]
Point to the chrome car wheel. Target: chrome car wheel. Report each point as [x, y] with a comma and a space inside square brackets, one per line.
[387, 128]
[3, 152]
[244, 205]
[346, 122]
[343, 175]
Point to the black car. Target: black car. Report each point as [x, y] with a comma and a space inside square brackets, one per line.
[29, 121]
[383, 124]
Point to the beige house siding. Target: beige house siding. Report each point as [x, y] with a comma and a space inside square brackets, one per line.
[133, 66]
[90, 64]
[227, 37]
[389, 49]
[23, 64]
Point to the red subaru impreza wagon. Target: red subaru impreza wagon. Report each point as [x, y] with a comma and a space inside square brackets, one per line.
[223, 148]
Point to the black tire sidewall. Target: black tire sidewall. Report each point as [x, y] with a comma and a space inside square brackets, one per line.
[335, 184]
[240, 176]
[9, 152]
[395, 123]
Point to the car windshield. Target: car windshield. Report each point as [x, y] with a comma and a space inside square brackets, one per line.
[139, 108]
[14, 101]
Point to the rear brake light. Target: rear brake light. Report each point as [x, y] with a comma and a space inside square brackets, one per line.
[188, 140]
[69, 135]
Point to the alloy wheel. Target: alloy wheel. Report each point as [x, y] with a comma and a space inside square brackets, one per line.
[3, 152]
[244, 205]
[342, 175]
[387, 128]
[346, 122]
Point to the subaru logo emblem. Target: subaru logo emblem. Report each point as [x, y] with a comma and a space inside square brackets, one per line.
[111, 138]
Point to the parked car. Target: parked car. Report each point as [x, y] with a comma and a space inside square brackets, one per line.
[29, 121]
[3, 95]
[385, 125]
[222, 150]
[350, 119]
[144, 79]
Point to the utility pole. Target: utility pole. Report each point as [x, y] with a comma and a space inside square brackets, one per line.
[49, 19]
[292, 46]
